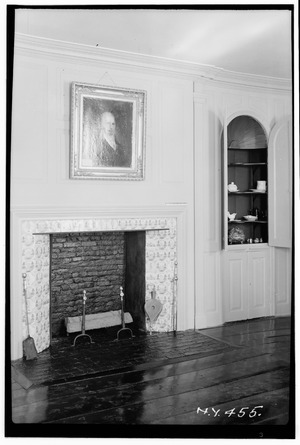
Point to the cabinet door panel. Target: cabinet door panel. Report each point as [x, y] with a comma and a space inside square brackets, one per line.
[283, 277]
[259, 284]
[280, 180]
[236, 287]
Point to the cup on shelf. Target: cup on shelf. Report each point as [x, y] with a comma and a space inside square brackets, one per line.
[231, 216]
[261, 186]
[232, 187]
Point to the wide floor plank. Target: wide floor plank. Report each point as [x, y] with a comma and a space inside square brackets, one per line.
[102, 396]
[169, 387]
[132, 377]
[245, 411]
[154, 410]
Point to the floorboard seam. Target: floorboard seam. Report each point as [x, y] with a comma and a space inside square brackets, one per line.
[222, 341]
[135, 371]
[231, 401]
[140, 367]
[107, 410]
[184, 392]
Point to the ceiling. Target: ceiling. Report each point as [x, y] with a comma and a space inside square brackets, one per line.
[245, 41]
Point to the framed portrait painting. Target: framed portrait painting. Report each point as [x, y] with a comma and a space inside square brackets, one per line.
[107, 132]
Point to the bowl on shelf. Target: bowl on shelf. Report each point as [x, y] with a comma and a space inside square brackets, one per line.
[250, 218]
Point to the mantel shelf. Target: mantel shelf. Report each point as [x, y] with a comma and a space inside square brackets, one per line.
[102, 230]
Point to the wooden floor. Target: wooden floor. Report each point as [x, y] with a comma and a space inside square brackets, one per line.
[245, 386]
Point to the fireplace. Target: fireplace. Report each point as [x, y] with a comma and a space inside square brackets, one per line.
[98, 263]
[160, 234]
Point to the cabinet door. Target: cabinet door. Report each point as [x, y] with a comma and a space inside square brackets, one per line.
[235, 301]
[259, 284]
[280, 184]
[225, 191]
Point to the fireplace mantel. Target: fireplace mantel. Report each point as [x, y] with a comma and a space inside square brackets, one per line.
[106, 230]
[164, 227]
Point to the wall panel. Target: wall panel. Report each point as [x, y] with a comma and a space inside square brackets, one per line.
[172, 131]
[30, 122]
[44, 151]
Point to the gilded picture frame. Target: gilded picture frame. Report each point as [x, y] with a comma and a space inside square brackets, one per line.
[107, 132]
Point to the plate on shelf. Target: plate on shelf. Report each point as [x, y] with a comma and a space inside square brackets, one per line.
[258, 191]
[234, 191]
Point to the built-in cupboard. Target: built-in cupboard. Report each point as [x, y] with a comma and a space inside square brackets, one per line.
[257, 213]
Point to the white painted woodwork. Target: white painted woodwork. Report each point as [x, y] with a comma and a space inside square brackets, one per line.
[187, 106]
[267, 277]
[41, 136]
[216, 105]
[280, 184]
[172, 133]
[90, 54]
[224, 155]
[259, 283]
[246, 284]
[235, 286]
[283, 280]
[30, 123]
[280, 211]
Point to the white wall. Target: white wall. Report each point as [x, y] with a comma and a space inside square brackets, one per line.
[186, 108]
[41, 134]
[41, 146]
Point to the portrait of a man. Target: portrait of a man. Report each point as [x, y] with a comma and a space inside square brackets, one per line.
[108, 133]
[107, 151]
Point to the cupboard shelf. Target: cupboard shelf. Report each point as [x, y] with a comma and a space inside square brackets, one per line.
[248, 148]
[245, 163]
[247, 193]
[247, 222]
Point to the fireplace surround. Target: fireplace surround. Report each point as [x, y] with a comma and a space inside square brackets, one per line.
[30, 255]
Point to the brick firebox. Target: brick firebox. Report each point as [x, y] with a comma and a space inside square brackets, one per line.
[94, 262]
[98, 263]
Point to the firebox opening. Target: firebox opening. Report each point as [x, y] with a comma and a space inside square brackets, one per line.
[99, 263]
